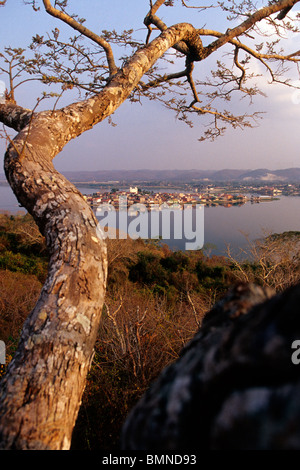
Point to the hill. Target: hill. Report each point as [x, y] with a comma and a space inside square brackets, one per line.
[288, 175]
[185, 176]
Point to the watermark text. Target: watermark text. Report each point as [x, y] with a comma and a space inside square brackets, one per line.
[2, 352]
[159, 221]
[296, 354]
[2, 91]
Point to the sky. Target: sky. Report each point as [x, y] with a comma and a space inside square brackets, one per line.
[148, 136]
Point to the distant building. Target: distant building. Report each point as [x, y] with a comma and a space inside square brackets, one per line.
[134, 190]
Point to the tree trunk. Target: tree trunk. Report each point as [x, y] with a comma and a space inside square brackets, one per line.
[41, 392]
[42, 389]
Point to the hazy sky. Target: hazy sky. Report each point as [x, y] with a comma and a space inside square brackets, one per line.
[149, 136]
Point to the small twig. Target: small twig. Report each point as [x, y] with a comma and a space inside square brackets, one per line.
[239, 66]
[200, 8]
[10, 140]
[189, 70]
[193, 308]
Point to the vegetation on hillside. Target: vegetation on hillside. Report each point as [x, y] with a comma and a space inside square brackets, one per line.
[155, 301]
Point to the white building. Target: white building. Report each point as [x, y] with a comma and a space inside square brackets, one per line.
[134, 190]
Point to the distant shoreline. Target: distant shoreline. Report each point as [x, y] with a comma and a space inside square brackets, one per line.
[256, 188]
[155, 177]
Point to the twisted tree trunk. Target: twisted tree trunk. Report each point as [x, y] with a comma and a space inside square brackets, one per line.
[40, 394]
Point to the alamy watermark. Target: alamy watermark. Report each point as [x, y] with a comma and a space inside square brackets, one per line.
[296, 97]
[2, 352]
[296, 93]
[296, 354]
[184, 222]
[2, 91]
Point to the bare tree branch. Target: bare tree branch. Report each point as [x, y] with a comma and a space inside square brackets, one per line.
[14, 116]
[86, 32]
[283, 13]
[182, 46]
[257, 55]
[248, 23]
[200, 7]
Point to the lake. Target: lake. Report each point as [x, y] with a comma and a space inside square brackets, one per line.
[222, 225]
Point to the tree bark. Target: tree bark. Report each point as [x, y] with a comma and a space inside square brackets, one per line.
[234, 386]
[42, 389]
[41, 393]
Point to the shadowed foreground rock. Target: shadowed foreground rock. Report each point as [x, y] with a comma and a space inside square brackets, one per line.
[234, 385]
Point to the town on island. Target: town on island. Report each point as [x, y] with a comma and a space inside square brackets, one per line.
[150, 199]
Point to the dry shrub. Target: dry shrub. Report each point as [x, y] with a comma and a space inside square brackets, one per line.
[273, 260]
[140, 334]
[18, 295]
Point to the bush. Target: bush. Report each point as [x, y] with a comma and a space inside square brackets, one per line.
[18, 295]
[22, 248]
[17, 262]
[140, 334]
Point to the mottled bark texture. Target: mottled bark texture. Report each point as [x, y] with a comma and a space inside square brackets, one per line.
[40, 394]
[234, 385]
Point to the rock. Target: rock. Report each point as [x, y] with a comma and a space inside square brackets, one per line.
[234, 385]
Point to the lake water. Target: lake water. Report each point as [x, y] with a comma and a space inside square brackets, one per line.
[222, 225]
